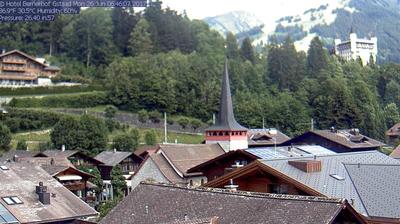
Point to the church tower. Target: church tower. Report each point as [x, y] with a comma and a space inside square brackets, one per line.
[227, 131]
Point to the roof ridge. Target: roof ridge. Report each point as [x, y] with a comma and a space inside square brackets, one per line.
[370, 164]
[326, 155]
[248, 193]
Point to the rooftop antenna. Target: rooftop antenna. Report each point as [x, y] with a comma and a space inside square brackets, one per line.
[165, 128]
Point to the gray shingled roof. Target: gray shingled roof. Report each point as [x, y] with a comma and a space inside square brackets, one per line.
[226, 118]
[21, 180]
[156, 203]
[111, 158]
[378, 187]
[58, 153]
[333, 164]
[20, 153]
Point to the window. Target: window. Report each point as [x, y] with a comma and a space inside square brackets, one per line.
[337, 177]
[4, 168]
[202, 181]
[191, 182]
[279, 188]
[12, 200]
[16, 200]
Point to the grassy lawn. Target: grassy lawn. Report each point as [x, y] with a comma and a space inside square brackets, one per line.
[33, 139]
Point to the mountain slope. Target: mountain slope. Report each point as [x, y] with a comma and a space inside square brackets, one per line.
[329, 21]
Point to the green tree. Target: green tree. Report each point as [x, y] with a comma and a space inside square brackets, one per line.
[143, 116]
[184, 122]
[150, 138]
[392, 115]
[118, 182]
[123, 20]
[110, 112]
[5, 137]
[247, 50]
[66, 132]
[127, 141]
[232, 49]
[140, 40]
[93, 133]
[317, 58]
[21, 145]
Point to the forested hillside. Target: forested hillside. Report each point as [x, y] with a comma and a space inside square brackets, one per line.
[161, 60]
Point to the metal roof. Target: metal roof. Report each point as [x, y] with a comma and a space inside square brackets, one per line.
[325, 181]
[378, 188]
[6, 217]
[226, 118]
[289, 151]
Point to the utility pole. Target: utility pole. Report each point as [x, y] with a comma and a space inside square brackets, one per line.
[263, 125]
[165, 128]
[312, 124]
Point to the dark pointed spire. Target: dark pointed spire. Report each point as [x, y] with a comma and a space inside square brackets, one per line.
[226, 118]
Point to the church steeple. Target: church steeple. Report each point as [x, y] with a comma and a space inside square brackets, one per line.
[227, 131]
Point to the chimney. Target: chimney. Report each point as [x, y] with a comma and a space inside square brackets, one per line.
[308, 166]
[231, 187]
[115, 150]
[63, 148]
[16, 158]
[3, 51]
[44, 196]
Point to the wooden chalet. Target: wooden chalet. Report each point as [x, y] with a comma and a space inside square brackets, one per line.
[18, 68]
[75, 157]
[28, 194]
[337, 140]
[368, 180]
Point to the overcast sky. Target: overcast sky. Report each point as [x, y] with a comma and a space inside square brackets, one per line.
[199, 9]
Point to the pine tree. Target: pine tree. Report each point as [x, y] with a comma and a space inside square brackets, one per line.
[140, 40]
[232, 49]
[247, 50]
[317, 57]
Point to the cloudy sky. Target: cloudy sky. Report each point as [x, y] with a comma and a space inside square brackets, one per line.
[266, 10]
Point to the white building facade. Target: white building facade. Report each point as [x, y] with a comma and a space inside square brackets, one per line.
[357, 48]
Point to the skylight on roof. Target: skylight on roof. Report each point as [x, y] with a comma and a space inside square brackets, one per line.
[8, 200]
[12, 200]
[16, 200]
[4, 168]
[337, 177]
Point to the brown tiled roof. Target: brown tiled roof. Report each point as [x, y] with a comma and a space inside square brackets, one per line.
[21, 180]
[344, 138]
[160, 203]
[42, 161]
[145, 148]
[265, 137]
[166, 169]
[393, 131]
[185, 156]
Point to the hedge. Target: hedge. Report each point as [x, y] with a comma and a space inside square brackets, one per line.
[25, 120]
[62, 101]
[49, 90]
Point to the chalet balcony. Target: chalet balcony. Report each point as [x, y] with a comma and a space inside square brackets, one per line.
[13, 68]
[14, 61]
